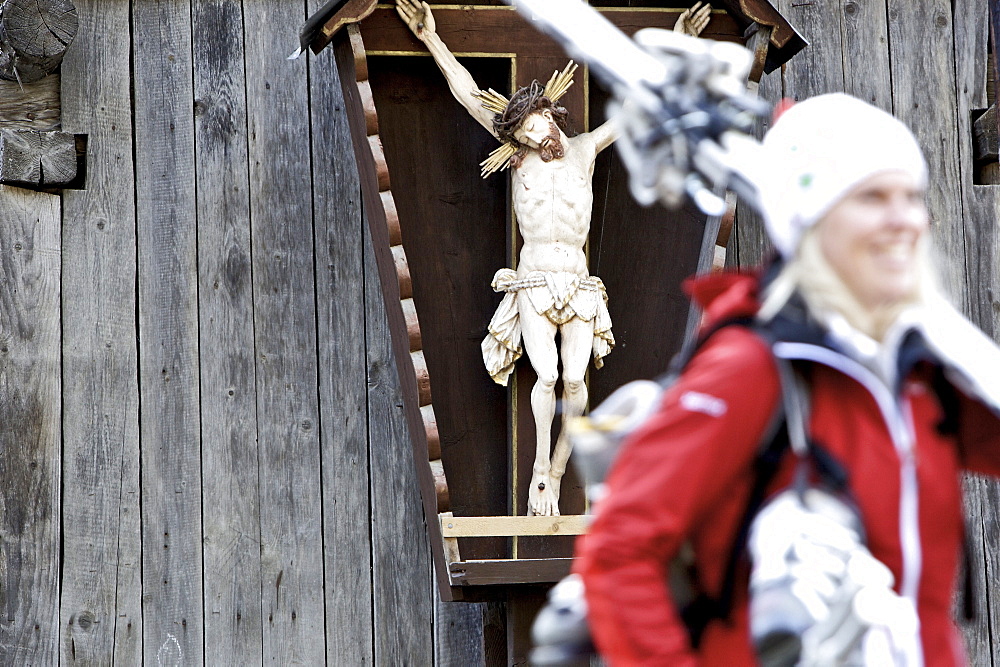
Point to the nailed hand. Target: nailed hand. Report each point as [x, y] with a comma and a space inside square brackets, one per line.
[417, 16]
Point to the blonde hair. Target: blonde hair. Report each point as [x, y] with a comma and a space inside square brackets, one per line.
[810, 274]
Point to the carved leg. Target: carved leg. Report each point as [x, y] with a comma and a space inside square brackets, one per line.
[543, 496]
[577, 343]
[538, 335]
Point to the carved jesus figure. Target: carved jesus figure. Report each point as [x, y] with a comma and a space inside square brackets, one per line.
[551, 291]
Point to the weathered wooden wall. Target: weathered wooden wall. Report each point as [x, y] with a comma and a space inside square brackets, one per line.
[195, 469]
[202, 449]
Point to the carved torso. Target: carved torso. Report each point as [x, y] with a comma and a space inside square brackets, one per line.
[552, 204]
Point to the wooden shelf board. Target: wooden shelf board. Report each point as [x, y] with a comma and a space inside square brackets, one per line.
[509, 526]
[513, 571]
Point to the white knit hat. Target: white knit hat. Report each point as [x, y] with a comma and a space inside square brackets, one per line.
[818, 151]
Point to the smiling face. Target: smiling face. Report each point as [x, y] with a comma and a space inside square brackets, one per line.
[872, 237]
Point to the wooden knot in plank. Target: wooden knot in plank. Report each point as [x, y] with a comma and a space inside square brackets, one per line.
[34, 36]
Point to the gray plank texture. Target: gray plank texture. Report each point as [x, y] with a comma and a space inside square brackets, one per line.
[865, 40]
[168, 326]
[971, 25]
[340, 299]
[924, 98]
[819, 68]
[100, 611]
[32, 106]
[401, 588]
[980, 206]
[748, 244]
[291, 516]
[230, 491]
[30, 431]
[981, 639]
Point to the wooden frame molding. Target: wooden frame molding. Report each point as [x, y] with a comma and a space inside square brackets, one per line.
[397, 288]
[384, 34]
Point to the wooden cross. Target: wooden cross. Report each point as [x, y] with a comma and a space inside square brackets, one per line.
[444, 249]
[499, 31]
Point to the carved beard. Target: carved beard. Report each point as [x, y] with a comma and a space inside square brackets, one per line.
[551, 147]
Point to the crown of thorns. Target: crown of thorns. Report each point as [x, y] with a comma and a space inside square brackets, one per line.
[508, 116]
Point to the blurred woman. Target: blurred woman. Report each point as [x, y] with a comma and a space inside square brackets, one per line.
[902, 395]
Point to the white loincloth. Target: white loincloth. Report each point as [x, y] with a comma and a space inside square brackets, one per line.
[558, 295]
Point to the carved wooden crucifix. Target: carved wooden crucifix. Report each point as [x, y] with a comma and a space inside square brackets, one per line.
[452, 225]
[499, 32]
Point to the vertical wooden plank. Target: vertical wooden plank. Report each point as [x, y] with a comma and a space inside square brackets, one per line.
[494, 634]
[979, 203]
[458, 633]
[865, 39]
[924, 98]
[400, 553]
[819, 68]
[168, 333]
[988, 619]
[340, 298]
[749, 245]
[978, 494]
[31, 428]
[232, 577]
[522, 607]
[285, 335]
[981, 206]
[100, 610]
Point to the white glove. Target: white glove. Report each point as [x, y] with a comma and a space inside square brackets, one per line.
[817, 588]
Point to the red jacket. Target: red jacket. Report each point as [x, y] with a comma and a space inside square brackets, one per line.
[686, 474]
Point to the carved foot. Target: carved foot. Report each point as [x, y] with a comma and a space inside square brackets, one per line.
[543, 495]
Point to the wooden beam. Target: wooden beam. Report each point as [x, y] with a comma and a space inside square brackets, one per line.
[505, 572]
[322, 26]
[34, 35]
[984, 134]
[784, 38]
[37, 158]
[394, 275]
[995, 64]
[31, 106]
[758, 42]
[497, 30]
[489, 526]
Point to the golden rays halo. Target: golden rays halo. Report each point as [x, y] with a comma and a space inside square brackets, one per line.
[496, 103]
